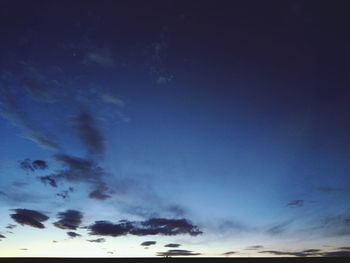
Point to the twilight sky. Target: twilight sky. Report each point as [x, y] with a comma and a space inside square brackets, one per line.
[179, 128]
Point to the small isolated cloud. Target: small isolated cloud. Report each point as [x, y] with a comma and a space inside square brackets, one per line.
[229, 253]
[172, 245]
[98, 240]
[73, 234]
[48, 180]
[148, 243]
[64, 194]
[296, 203]
[70, 219]
[177, 252]
[89, 133]
[2, 236]
[153, 226]
[29, 217]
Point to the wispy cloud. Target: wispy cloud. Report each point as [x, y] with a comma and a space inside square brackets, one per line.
[89, 133]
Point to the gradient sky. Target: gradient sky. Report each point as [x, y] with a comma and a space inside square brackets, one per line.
[219, 127]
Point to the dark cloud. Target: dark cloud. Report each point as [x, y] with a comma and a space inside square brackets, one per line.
[11, 226]
[153, 226]
[229, 253]
[296, 203]
[339, 253]
[344, 248]
[98, 240]
[254, 247]
[29, 217]
[89, 133]
[39, 164]
[79, 169]
[100, 193]
[70, 219]
[177, 252]
[73, 234]
[303, 253]
[172, 245]
[26, 165]
[64, 194]
[148, 243]
[2, 236]
[48, 180]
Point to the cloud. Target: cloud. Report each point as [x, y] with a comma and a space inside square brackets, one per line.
[70, 219]
[73, 234]
[2, 236]
[100, 193]
[153, 226]
[108, 98]
[296, 203]
[29, 217]
[172, 245]
[39, 164]
[254, 247]
[229, 253]
[102, 57]
[11, 226]
[177, 252]
[98, 240]
[336, 254]
[79, 169]
[28, 165]
[89, 133]
[303, 253]
[279, 229]
[148, 243]
[48, 179]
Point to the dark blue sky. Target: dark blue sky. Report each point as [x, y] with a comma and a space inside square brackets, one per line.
[219, 126]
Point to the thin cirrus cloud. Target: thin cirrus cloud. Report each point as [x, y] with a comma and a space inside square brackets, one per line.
[296, 203]
[153, 226]
[29, 217]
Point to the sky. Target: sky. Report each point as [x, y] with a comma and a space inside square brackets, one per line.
[174, 128]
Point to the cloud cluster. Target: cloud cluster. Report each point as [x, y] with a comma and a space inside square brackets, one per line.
[310, 253]
[153, 226]
[29, 217]
[70, 219]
